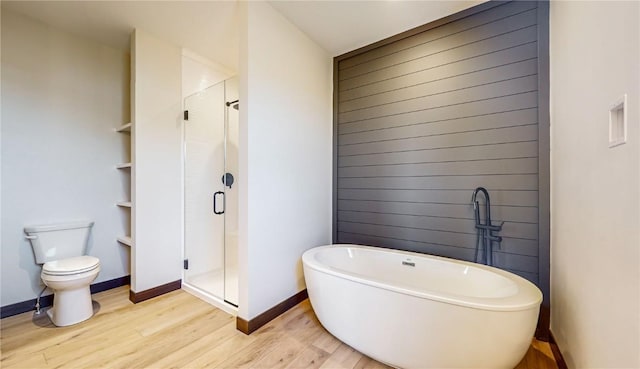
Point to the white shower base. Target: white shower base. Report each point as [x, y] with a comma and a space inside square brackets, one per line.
[212, 282]
[209, 286]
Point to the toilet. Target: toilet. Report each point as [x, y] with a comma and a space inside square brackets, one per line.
[61, 249]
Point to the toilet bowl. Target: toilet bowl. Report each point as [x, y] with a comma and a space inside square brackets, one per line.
[66, 269]
[70, 279]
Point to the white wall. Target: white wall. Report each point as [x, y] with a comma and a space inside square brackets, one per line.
[157, 162]
[62, 97]
[595, 250]
[199, 73]
[285, 156]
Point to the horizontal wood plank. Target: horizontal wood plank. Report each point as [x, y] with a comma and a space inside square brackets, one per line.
[523, 149]
[460, 197]
[520, 214]
[527, 182]
[481, 167]
[459, 139]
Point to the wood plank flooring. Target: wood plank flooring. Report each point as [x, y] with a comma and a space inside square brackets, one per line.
[177, 330]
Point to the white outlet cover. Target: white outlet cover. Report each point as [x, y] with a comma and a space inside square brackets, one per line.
[618, 122]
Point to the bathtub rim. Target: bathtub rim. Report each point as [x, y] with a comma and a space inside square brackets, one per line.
[528, 296]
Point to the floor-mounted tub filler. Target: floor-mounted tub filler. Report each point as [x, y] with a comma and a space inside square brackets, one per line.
[411, 310]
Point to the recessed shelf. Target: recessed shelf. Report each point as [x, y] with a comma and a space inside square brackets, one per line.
[126, 240]
[123, 166]
[124, 204]
[124, 128]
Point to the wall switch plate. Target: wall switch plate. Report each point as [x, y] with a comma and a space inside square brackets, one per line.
[618, 122]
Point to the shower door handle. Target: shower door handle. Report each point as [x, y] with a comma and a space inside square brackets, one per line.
[215, 197]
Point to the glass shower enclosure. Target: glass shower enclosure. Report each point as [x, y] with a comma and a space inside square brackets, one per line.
[211, 195]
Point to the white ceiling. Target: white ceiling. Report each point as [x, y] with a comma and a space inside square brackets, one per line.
[343, 26]
[206, 27]
[210, 28]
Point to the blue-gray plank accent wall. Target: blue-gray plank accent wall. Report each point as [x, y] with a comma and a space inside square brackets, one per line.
[425, 119]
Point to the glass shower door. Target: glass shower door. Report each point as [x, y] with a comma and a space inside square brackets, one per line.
[204, 145]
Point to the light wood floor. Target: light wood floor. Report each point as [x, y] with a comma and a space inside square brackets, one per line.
[177, 330]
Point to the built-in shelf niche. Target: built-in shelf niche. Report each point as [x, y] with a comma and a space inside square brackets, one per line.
[125, 129]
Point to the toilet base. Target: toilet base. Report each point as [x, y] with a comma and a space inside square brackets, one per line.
[71, 307]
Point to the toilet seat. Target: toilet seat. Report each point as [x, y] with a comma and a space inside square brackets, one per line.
[71, 266]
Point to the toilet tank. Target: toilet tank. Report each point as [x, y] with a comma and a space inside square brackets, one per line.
[58, 241]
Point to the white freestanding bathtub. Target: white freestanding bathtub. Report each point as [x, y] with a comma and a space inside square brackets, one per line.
[411, 310]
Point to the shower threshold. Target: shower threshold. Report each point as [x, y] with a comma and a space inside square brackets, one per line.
[204, 295]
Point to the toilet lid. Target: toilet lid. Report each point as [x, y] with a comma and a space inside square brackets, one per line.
[75, 265]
